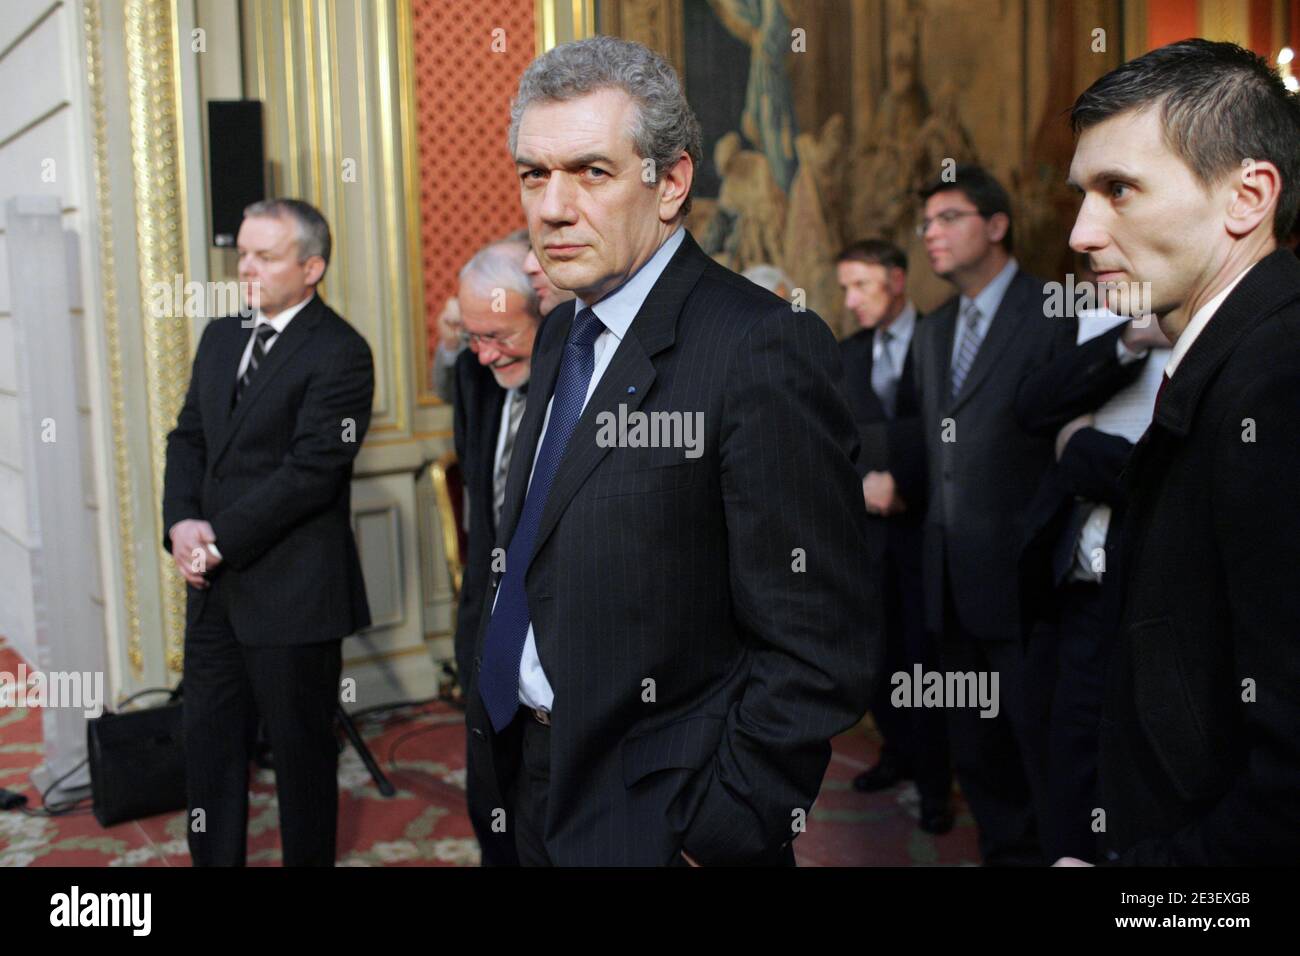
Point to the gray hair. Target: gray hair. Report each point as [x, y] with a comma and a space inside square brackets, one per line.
[769, 277]
[313, 230]
[500, 265]
[665, 126]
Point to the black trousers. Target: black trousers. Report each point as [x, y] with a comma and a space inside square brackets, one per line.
[531, 787]
[496, 846]
[1084, 639]
[295, 690]
[530, 743]
[915, 738]
[1001, 761]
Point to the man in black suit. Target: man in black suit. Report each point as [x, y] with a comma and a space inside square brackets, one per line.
[501, 306]
[972, 354]
[688, 611]
[879, 387]
[491, 378]
[1188, 160]
[256, 511]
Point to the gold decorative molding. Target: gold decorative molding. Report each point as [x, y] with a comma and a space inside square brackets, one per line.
[410, 197]
[559, 21]
[156, 152]
[390, 43]
[93, 25]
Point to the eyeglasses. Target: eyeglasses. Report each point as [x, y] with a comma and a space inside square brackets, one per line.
[945, 219]
[475, 341]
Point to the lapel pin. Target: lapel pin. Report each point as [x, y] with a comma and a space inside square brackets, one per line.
[631, 389]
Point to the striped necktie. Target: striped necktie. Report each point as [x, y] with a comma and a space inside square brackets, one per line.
[884, 379]
[970, 346]
[516, 414]
[261, 345]
[507, 631]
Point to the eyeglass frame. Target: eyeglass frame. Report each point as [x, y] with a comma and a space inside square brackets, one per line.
[473, 340]
[945, 219]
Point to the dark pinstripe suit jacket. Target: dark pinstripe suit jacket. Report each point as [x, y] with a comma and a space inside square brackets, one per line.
[476, 424]
[273, 476]
[707, 624]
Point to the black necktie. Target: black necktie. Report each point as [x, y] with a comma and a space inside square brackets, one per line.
[261, 343]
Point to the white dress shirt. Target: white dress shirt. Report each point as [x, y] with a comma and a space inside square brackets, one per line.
[1092, 535]
[279, 323]
[616, 311]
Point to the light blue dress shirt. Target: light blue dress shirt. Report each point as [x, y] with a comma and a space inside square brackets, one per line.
[988, 301]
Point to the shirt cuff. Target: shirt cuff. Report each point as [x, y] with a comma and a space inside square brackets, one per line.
[1126, 355]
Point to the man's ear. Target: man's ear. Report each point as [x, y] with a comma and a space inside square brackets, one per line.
[998, 224]
[897, 280]
[675, 186]
[1256, 187]
[315, 269]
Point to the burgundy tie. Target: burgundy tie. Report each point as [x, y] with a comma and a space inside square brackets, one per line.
[1160, 391]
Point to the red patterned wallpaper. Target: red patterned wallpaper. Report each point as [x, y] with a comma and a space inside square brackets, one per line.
[468, 192]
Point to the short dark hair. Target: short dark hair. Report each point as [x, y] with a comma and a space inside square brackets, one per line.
[874, 252]
[1219, 105]
[979, 186]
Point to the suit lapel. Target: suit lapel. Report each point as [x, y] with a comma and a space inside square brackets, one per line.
[905, 404]
[231, 351]
[626, 381]
[1270, 284]
[861, 362]
[293, 338]
[490, 425]
[630, 368]
[1001, 331]
[941, 360]
[491, 402]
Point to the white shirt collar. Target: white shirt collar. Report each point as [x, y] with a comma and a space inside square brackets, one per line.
[617, 310]
[282, 319]
[1199, 321]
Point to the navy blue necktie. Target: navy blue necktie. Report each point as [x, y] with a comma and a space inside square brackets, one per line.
[503, 648]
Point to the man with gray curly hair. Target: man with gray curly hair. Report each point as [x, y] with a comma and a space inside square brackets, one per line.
[680, 618]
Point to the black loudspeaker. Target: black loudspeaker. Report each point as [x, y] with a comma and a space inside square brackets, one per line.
[235, 164]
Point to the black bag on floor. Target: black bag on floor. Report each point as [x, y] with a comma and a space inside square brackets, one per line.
[137, 762]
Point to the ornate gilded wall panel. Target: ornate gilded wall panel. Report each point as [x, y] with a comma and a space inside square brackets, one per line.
[159, 173]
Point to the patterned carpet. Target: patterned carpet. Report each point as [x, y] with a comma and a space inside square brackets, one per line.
[425, 824]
